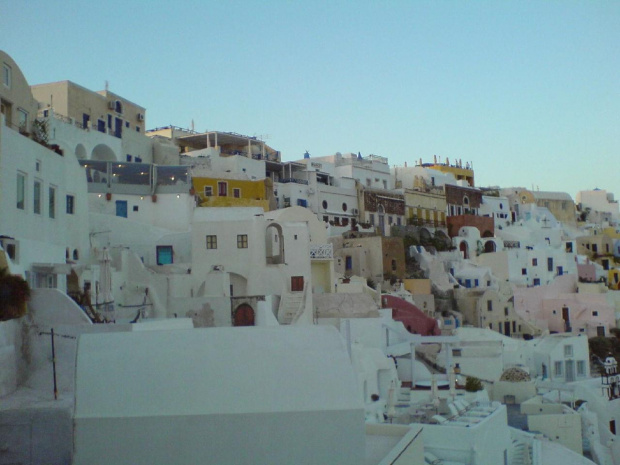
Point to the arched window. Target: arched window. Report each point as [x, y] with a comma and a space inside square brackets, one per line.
[76, 254]
[274, 245]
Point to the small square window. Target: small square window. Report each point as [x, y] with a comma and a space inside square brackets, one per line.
[208, 191]
[594, 313]
[164, 255]
[568, 351]
[129, 157]
[524, 271]
[211, 242]
[135, 208]
[242, 241]
[126, 124]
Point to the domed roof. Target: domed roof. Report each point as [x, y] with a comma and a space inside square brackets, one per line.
[515, 375]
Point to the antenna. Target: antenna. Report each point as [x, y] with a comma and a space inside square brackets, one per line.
[107, 85]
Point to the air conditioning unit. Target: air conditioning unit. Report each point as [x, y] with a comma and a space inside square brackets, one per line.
[111, 105]
[140, 116]
[354, 211]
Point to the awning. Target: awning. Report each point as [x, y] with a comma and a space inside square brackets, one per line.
[51, 268]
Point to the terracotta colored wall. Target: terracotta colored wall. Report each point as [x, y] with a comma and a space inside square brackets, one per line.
[483, 223]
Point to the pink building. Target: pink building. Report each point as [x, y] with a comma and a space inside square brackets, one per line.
[560, 308]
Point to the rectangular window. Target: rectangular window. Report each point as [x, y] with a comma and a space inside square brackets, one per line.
[211, 242]
[390, 220]
[568, 351]
[475, 283]
[22, 120]
[297, 283]
[457, 352]
[557, 368]
[242, 241]
[208, 191]
[70, 204]
[534, 262]
[505, 311]
[52, 202]
[6, 75]
[164, 254]
[560, 271]
[550, 264]
[524, 271]
[581, 368]
[594, 247]
[36, 198]
[237, 193]
[21, 191]
[371, 219]
[348, 262]
[490, 305]
[398, 222]
[222, 189]
[514, 326]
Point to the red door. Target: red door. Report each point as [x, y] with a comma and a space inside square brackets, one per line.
[243, 316]
[297, 283]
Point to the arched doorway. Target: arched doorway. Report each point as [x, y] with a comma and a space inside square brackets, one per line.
[243, 316]
[381, 212]
[103, 152]
[274, 244]
[489, 246]
[80, 152]
[463, 248]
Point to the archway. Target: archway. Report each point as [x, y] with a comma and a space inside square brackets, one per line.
[489, 246]
[103, 152]
[487, 233]
[80, 152]
[464, 248]
[274, 244]
[381, 212]
[243, 316]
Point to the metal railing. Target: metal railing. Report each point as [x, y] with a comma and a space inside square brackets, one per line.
[321, 251]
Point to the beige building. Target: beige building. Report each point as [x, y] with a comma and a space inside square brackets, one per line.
[18, 107]
[426, 208]
[103, 111]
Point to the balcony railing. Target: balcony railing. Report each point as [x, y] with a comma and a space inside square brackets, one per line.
[321, 251]
[295, 180]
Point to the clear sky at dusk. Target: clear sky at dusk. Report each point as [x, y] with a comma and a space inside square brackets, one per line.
[527, 91]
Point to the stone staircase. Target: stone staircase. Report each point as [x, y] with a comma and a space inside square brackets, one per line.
[291, 306]
[521, 454]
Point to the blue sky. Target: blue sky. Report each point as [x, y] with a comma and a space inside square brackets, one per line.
[527, 91]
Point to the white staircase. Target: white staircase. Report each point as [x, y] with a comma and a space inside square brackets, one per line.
[291, 307]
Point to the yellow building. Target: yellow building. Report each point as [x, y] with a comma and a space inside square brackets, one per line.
[457, 170]
[228, 191]
[425, 208]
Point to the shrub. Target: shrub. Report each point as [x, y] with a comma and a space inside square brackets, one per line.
[14, 293]
[473, 384]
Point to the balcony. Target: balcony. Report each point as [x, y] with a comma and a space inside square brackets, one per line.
[321, 251]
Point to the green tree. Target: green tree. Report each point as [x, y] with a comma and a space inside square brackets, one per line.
[473, 384]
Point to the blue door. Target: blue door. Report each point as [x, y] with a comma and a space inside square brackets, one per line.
[121, 208]
[118, 127]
